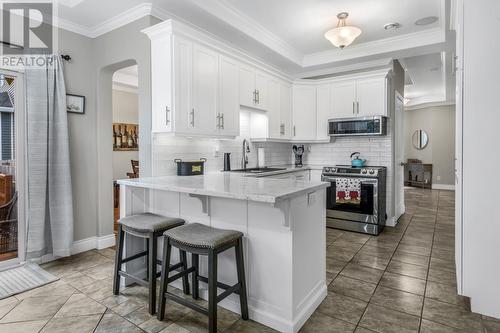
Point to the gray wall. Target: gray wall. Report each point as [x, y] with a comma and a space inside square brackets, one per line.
[89, 73]
[439, 123]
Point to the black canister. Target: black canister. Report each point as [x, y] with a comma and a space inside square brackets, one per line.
[227, 161]
[191, 168]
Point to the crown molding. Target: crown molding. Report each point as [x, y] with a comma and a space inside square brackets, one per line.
[230, 15]
[373, 64]
[397, 43]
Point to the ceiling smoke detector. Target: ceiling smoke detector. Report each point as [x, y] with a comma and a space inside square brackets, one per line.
[390, 26]
[426, 20]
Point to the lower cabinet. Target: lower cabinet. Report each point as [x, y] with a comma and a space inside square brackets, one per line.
[297, 175]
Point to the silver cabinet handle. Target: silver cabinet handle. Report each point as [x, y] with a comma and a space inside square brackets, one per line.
[255, 97]
[357, 107]
[192, 117]
[282, 129]
[217, 121]
[294, 132]
[258, 96]
[167, 111]
[222, 120]
[353, 107]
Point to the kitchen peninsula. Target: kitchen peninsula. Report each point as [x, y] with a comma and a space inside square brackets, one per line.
[283, 221]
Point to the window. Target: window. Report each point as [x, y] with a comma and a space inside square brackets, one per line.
[7, 147]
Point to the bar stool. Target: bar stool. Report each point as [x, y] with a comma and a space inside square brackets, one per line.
[148, 226]
[199, 239]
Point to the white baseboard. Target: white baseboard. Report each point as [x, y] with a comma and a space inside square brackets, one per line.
[91, 243]
[446, 187]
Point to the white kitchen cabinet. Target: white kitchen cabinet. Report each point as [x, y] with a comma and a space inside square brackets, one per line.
[274, 109]
[228, 116]
[304, 112]
[205, 88]
[183, 66]
[343, 96]
[295, 175]
[323, 111]
[285, 110]
[371, 96]
[253, 88]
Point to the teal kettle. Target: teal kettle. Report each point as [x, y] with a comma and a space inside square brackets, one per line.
[356, 162]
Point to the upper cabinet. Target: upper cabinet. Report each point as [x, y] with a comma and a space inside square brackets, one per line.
[304, 112]
[323, 110]
[253, 88]
[195, 89]
[359, 97]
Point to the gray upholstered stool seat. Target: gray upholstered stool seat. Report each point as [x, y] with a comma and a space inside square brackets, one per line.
[149, 222]
[202, 236]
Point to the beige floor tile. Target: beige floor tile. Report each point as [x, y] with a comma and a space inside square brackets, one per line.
[198, 323]
[398, 300]
[452, 315]
[23, 327]
[363, 273]
[353, 288]
[427, 326]
[113, 323]
[403, 283]
[383, 320]
[80, 305]
[248, 326]
[404, 268]
[446, 293]
[80, 324]
[320, 323]
[174, 328]
[35, 308]
[342, 307]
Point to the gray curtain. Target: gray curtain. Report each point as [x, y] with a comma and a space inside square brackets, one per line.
[50, 203]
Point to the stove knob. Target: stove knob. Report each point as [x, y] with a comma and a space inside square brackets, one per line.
[333, 169]
[363, 171]
[372, 171]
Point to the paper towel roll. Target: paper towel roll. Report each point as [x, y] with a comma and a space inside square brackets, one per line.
[261, 157]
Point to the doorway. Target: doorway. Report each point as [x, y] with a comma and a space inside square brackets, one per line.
[125, 108]
[12, 143]
[399, 152]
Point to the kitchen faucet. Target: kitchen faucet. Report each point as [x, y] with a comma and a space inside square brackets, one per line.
[244, 156]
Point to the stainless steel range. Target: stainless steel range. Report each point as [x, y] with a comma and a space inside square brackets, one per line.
[356, 199]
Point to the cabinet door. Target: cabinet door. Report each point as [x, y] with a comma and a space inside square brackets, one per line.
[323, 111]
[304, 112]
[183, 71]
[343, 99]
[229, 110]
[285, 110]
[247, 87]
[161, 84]
[273, 111]
[261, 87]
[371, 97]
[205, 85]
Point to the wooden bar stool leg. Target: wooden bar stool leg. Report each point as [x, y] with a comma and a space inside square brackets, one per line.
[240, 266]
[118, 261]
[195, 261]
[152, 272]
[212, 292]
[185, 278]
[164, 277]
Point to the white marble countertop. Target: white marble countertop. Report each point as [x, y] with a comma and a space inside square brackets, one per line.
[229, 185]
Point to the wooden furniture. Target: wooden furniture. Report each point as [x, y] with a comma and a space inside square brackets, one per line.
[149, 227]
[6, 187]
[135, 169]
[418, 174]
[8, 226]
[199, 239]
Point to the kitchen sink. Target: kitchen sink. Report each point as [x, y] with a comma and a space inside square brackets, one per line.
[258, 170]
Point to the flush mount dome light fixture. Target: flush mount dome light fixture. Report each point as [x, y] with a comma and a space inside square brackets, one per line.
[426, 20]
[390, 26]
[343, 35]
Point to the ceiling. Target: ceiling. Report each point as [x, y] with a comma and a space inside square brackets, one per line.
[288, 34]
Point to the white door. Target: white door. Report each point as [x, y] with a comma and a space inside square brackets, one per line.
[229, 110]
[285, 110]
[183, 74]
[247, 87]
[371, 97]
[304, 112]
[323, 111]
[205, 85]
[343, 97]
[261, 87]
[399, 144]
[273, 110]
[12, 154]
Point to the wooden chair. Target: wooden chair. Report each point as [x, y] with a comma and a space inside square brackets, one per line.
[135, 169]
[8, 226]
[5, 188]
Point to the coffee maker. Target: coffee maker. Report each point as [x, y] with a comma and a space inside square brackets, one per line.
[298, 151]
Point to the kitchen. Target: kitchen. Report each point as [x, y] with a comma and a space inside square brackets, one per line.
[273, 164]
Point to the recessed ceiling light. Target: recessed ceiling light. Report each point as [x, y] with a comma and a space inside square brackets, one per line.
[390, 26]
[426, 20]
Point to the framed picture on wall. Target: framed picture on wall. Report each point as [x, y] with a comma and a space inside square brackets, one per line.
[75, 103]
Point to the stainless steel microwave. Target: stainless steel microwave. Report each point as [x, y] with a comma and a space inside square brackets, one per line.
[359, 126]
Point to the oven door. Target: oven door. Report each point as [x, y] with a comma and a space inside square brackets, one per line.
[366, 211]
